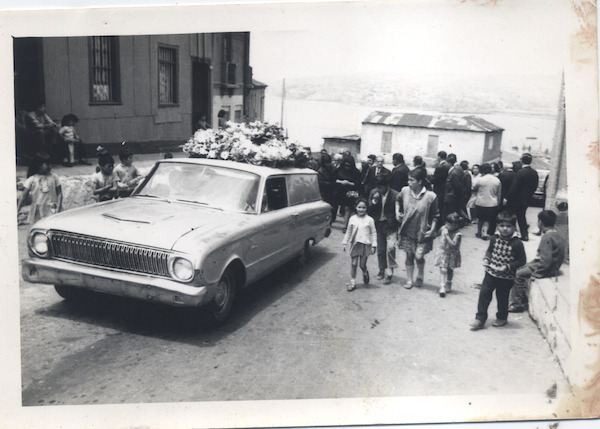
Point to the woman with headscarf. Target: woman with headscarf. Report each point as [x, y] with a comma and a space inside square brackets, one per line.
[348, 186]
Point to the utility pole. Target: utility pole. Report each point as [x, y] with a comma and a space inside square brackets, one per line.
[282, 103]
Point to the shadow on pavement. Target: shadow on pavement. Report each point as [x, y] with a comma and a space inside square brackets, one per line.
[184, 324]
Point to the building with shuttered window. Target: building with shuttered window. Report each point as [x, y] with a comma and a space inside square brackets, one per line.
[149, 91]
[470, 137]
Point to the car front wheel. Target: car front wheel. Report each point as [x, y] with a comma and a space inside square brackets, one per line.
[220, 307]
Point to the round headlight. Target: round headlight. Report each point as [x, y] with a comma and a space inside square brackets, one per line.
[39, 243]
[183, 269]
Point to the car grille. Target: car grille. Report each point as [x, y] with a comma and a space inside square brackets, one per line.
[111, 254]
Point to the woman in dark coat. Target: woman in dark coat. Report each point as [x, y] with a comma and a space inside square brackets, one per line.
[348, 186]
[326, 177]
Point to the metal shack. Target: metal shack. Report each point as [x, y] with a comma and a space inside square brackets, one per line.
[471, 138]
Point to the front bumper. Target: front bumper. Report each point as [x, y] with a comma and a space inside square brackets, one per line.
[146, 288]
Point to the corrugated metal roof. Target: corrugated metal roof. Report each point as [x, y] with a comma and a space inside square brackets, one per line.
[446, 122]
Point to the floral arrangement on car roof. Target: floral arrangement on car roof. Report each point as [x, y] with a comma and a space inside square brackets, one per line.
[257, 143]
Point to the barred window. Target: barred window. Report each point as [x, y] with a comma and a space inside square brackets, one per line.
[104, 69]
[167, 75]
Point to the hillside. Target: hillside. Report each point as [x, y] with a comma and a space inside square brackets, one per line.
[532, 95]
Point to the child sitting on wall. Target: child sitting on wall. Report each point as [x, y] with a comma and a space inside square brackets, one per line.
[550, 256]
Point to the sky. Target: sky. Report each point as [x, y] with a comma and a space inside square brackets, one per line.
[416, 37]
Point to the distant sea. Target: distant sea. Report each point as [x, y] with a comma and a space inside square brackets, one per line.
[309, 121]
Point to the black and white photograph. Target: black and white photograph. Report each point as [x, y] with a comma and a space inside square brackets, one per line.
[301, 214]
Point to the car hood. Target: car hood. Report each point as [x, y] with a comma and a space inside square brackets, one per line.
[141, 221]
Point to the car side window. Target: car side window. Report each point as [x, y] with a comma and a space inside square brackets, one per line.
[275, 196]
[303, 188]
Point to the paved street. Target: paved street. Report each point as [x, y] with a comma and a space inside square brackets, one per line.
[296, 334]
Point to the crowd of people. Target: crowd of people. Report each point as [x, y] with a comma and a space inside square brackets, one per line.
[384, 211]
[410, 210]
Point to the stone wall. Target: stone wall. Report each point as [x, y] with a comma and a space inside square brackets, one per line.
[549, 299]
[550, 308]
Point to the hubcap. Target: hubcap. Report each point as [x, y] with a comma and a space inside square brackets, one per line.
[222, 292]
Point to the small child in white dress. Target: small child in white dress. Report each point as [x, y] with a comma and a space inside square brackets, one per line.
[447, 252]
[44, 188]
[362, 236]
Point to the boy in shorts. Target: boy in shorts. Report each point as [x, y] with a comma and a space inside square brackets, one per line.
[504, 255]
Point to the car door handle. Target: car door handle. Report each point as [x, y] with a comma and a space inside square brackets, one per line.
[295, 216]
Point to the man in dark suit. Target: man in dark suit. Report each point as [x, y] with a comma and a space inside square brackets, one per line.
[467, 183]
[521, 190]
[438, 180]
[454, 192]
[376, 174]
[506, 177]
[399, 176]
[382, 206]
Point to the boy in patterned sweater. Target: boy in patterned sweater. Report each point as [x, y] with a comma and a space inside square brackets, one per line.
[504, 255]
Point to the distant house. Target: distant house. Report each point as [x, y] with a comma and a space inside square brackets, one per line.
[148, 90]
[256, 101]
[469, 137]
[334, 144]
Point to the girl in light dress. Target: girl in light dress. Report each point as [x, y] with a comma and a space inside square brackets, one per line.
[362, 236]
[447, 254]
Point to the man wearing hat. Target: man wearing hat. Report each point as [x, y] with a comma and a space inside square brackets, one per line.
[521, 190]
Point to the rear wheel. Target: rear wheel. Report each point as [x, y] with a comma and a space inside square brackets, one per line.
[68, 292]
[220, 307]
[305, 255]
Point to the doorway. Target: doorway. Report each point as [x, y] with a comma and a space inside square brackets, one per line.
[29, 76]
[201, 92]
[432, 146]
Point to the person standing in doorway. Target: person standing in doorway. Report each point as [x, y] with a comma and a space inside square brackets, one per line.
[222, 117]
[202, 123]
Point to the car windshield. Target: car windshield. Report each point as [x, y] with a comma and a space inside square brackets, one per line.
[207, 185]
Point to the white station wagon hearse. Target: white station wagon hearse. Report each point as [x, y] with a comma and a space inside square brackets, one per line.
[191, 234]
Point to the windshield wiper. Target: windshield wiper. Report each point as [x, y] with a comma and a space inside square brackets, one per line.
[152, 196]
